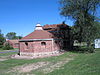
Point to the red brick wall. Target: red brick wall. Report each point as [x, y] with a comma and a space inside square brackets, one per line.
[42, 48]
[15, 45]
[36, 47]
[24, 48]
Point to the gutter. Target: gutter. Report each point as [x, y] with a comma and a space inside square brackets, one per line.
[25, 40]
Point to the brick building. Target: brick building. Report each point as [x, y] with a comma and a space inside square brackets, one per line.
[13, 43]
[41, 42]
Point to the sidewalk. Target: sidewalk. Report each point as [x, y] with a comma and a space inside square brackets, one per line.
[6, 51]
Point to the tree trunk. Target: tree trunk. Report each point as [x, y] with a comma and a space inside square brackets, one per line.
[88, 44]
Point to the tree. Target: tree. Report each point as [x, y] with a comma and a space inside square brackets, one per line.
[2, 39]
[83, 13]
[11, 35]
[18, 37]
[97, 26]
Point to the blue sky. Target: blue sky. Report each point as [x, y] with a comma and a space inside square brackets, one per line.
[21, 16]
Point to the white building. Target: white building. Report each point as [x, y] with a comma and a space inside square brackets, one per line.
[97, 43]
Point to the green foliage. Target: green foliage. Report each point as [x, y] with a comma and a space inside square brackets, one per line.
[76, 9]
[82, 11]
[1, 46]
[7, 47]
[2, 39]
[18, 37]
[97, 26]
[82, 47]
[12, 35]
[86, 49]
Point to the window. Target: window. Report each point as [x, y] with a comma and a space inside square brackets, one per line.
[43, 43]
[26, 45]
[56, 42]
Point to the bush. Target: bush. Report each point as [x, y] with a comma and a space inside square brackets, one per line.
[1, 46]
[7, 47]
[84, 49]
[88, 49]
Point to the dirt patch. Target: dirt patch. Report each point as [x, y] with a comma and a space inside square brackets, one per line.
[1, 59]
[28, 67]
[30, 74]
[45, 67]
[56, 65]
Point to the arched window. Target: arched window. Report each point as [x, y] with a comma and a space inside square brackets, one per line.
[43, 43]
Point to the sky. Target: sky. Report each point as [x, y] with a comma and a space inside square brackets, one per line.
[21, 16]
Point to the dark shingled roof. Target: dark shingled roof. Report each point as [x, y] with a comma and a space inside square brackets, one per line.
[52, 26]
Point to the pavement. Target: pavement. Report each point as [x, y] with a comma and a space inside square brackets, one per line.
[7, 51]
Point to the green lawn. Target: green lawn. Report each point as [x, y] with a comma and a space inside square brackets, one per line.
[67, 64]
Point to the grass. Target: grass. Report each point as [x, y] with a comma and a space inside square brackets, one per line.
[82, 64]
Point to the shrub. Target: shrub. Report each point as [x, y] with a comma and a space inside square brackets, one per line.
[84, 49]
[88, 49]
[7, 47]
[1, 46]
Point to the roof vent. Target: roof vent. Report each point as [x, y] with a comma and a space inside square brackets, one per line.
[38, 27]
